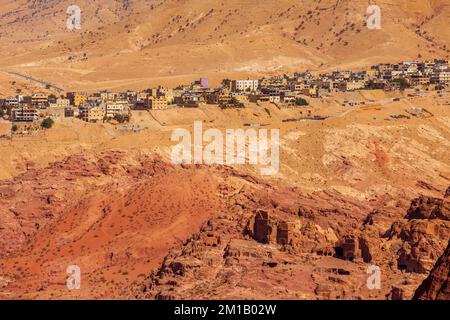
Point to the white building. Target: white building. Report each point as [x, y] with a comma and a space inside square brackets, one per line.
[244, 85]
[117, 107]
[60, 103]
[441, 77]
[444, 77]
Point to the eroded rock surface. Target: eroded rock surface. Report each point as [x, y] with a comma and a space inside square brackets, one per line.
[437, 285]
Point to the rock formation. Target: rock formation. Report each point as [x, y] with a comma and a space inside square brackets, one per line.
[220, 234]
[429, 208]
[437, 285]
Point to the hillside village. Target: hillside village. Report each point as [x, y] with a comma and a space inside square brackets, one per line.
[285, 90]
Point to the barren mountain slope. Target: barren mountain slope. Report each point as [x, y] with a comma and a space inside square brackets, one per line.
[115, 215]
[139, 227]
[397, 148]
[125, 44]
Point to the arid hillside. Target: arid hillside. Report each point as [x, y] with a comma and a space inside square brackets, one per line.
[135, 44]
[363, 177]
[365, 186]
[139, 227]
[390, 147]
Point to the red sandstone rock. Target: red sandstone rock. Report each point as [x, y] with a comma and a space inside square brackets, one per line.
[142, 228]
[429, 208]
[437, 285]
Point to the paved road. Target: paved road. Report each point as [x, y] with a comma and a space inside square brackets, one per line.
[43, 83]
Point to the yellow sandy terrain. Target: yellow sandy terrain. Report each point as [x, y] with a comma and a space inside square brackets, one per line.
[360, 151]
[123, 45]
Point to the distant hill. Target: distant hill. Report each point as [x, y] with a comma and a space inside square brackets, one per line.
[135, 44]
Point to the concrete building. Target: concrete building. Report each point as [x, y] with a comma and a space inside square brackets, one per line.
[441, 77]
[39, 101]
[157, 103]
[117, 107]
[11, 102]
[90, 113]
[245, 85]
[354, 85]
[274, 98]
[79, 99]
[24, 113]
[166, 93]
[60, 103]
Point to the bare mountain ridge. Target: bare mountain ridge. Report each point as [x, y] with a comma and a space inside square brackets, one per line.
[124, 44]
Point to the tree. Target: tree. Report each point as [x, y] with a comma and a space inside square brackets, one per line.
[233, 101]
[372, 85]
[47, 123]
[121, 118]
[301, 102]
[403, 83]
[14, 128]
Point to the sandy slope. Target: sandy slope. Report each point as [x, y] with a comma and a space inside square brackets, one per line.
[136, 44]
[95, 195]
[358, 150]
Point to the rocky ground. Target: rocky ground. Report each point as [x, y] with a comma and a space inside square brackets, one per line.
[280, 245]
[139, 227]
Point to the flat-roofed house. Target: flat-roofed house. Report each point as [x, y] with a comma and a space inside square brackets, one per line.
[244, 85]
[91, 113]
[157, 103]
[39, 101]
[24, 113]
[117, 107]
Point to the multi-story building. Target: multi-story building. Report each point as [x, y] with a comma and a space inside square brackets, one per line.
[141, 96]
[221, 96]
[108, 95]
[24, 113]
[372, 73]
[79, 99]
[117, 107]
[274, 98]
[418, 79]
[202, 84]
[256, 98]
[157, 103]
[166, 93]
[60, 103]
[441, 77]
[354, 85]
[11, 102]
[245, 85]
[239, 96]
[190, 99]
[39, 101]
[91, 113]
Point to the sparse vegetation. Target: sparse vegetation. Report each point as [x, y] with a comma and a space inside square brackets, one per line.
[403, 83]
[121, 118]
[301, 102]
[47, 123]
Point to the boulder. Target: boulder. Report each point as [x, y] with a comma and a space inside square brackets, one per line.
[429, 208]
[396, 293]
